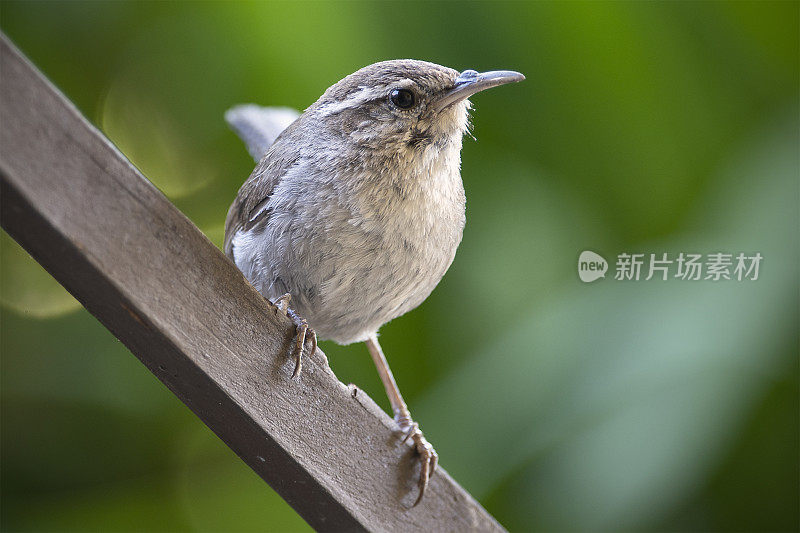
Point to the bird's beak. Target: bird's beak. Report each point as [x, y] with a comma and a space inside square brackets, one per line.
[470, 82]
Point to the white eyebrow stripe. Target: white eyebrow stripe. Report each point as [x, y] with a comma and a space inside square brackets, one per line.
[363, 94]
[354, 99]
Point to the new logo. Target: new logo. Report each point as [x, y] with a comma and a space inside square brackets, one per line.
[591, 266]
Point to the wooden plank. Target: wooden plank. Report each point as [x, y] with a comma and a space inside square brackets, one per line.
[152, 278]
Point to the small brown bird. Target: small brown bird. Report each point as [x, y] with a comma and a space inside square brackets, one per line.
[354, 213]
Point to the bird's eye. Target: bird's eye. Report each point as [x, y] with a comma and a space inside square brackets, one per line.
[402, 98]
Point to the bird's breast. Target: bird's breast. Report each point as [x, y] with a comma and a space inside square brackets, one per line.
[356, 250]
[418, 223]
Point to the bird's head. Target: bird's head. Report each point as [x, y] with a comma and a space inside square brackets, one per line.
[403, 105]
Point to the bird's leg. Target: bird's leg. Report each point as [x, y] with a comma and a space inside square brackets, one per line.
[302, 332]
[403, 417]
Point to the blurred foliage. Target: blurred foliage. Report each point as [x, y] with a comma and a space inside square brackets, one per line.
[642, 127]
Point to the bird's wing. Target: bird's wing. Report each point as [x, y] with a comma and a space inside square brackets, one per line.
[249, 209]
[259, 126]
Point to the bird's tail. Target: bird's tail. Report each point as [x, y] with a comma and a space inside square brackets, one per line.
[259, 126]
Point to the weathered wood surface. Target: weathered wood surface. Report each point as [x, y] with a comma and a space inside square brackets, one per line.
[152, 278]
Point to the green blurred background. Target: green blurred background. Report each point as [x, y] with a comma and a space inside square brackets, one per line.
[561, 406]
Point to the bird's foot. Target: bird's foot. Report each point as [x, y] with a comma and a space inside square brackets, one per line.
[428, 456]
[302, 333]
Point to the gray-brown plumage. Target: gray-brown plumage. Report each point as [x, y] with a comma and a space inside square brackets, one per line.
[357, 208]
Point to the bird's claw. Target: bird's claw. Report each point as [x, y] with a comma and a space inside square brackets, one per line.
[302, 333]
[282, 303]
[428, 457]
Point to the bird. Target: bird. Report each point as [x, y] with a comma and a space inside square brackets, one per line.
[356, 207]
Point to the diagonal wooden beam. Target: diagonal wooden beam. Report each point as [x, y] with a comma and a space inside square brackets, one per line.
[73, 201]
